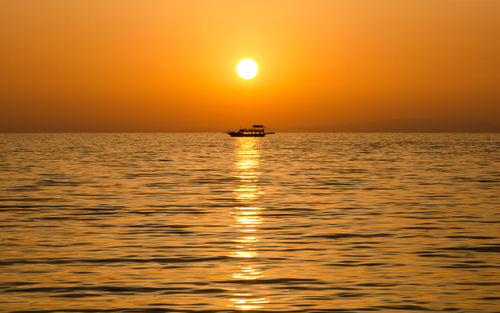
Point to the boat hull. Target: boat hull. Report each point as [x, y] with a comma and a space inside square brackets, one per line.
[236, 134]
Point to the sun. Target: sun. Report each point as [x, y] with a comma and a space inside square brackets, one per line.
[247, 69]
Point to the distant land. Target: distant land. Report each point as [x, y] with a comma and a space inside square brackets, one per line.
[420, 125]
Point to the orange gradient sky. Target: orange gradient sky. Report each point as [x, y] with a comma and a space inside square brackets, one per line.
[92, 65]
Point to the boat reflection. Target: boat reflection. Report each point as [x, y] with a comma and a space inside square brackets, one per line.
[247, 218]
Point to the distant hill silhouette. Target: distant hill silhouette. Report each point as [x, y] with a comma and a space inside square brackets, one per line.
[421, 125]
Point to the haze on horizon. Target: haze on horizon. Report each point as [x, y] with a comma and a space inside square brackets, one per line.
[90, 65]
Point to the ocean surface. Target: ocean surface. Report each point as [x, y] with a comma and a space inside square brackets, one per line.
[286, 223]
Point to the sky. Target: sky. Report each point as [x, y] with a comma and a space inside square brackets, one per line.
[333, 65]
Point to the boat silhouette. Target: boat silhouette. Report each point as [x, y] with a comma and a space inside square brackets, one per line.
[254, 131]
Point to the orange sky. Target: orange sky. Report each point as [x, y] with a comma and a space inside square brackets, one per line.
[93, 65]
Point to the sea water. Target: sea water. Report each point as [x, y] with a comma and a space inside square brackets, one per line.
[286, 223]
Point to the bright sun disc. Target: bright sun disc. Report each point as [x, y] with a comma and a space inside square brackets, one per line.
[247, 69]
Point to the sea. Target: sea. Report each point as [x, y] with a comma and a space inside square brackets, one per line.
[291, 222]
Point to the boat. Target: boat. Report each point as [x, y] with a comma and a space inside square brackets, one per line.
[254, 131]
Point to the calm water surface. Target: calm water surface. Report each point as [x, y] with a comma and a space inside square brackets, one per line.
[288, 223]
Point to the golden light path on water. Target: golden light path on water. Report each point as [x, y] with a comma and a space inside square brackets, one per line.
[247, 218]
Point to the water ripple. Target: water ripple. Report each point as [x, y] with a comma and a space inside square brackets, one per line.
[308, 223]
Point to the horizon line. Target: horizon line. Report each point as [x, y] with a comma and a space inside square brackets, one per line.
[276, 132]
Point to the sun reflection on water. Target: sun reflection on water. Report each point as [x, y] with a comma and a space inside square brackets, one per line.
[247, 218]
